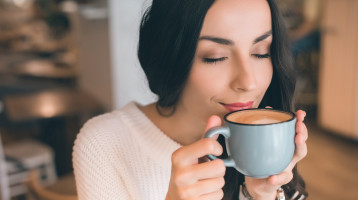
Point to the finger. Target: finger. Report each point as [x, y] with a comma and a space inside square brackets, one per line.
[300, 145]
[219, 194]
[300, 141]
[189, 155]
[281, 179]
[213, 121]
[300, 153]
[205, 186]
[300, 115]
[207, 170]
[301, 132]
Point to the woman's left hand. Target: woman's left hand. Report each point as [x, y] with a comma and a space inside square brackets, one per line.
[266, 188]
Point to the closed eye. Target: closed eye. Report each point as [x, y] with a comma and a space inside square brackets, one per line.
[213, 60]
[262, 55]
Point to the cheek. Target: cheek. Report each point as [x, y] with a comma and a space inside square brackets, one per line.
[264, 75]
[207, 80]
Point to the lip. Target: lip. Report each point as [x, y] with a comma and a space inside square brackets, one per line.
[238, 106]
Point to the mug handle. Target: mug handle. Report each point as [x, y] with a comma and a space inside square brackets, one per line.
[225, 131]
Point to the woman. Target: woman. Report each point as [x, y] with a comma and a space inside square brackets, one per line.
[202, 58]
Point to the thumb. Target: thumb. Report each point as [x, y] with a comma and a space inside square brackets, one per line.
[213, 121]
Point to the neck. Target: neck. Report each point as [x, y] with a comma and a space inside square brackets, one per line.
[181, 126]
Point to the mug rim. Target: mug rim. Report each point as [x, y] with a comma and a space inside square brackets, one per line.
[293, 116]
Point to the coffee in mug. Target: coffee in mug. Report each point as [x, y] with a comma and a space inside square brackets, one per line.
[258, 117]
[259, 142]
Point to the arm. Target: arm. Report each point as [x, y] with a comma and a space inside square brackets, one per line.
[96, 176]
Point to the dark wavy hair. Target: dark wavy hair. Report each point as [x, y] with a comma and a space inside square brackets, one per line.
[168, 38]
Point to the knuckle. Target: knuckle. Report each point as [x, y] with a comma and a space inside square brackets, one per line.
[182, 194]
[303, 152]
[289, 175]
[176, 157]
[306, 136]
[212, 146]
[209, 145]
[218, 194]
[186, 193]
[221, 182]
[221, 194]
[180, 177]
[220, 166]
[288, 178]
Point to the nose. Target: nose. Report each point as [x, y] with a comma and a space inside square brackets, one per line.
[243, 77]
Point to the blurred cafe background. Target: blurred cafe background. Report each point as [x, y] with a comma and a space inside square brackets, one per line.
[65, 61]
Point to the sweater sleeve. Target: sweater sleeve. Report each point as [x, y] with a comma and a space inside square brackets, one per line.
[96, 176]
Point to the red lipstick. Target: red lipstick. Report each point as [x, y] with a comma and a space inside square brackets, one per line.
[238, 106]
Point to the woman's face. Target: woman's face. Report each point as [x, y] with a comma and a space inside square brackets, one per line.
[232, 68]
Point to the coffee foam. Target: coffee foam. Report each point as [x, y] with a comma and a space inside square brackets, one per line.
[263, 116]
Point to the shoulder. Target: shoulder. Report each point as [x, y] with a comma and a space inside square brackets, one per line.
[102, 126]
[112, 122]
[105, 132]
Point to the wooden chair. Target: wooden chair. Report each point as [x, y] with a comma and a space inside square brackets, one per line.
[17, 159]
[37, 192]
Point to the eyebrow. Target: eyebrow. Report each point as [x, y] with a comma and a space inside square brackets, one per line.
[230, 42]
[262, 37]
[217, 40]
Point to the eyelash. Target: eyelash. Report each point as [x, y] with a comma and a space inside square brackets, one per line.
[261, 56]
[215, 60]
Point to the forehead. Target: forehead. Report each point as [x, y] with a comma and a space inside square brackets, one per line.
[237, 19]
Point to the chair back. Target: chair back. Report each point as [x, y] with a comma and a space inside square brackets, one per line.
[38, 192]
[4, 182]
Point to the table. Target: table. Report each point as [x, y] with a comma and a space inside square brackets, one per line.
[49, 104]
[60, 113]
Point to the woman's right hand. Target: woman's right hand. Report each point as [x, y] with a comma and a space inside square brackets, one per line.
[192, 179]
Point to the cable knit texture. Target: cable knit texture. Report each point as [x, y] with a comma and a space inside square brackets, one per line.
[122, 155]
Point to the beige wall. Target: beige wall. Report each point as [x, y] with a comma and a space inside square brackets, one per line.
[94, 59]
[338, 85]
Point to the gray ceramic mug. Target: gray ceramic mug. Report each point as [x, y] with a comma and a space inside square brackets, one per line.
[259, 142]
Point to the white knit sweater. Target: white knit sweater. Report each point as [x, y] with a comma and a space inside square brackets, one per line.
[122, 155]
